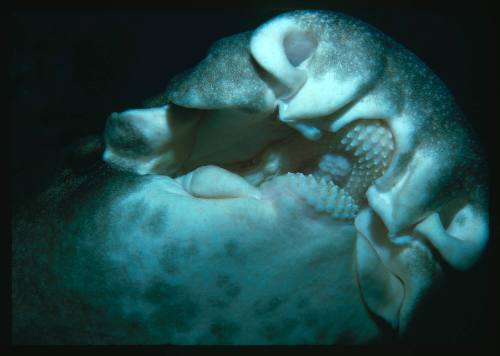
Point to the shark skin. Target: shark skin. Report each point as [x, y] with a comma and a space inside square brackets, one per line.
[297, 186]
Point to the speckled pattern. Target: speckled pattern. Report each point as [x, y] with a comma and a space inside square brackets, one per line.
[211, 84]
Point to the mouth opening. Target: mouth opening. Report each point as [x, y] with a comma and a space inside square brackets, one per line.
[351, 158]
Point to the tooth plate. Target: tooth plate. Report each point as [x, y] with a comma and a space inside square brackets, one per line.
[324, 196]
[371, 145]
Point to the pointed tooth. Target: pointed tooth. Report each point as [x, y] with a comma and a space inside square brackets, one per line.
[356, 141]
[375, 137]
[297, 180]
[333, 194]
[358, 151]
[300, 182]
[367, 145]
[371, 154]
[374, 152]
[311, 199]
[362, 135]
[322, 204]
[340, 204]
[351, 145]
[310, 181]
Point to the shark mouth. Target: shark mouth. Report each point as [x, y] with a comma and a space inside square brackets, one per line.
[331, 171]
[332, 174]
[344, 117]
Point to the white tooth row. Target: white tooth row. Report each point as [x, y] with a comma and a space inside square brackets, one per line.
[362, 175]
[324, 196]
[372, 145]
[369, 141]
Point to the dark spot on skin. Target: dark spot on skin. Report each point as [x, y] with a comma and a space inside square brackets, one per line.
[217, 330]
[136, 259]
[169, 266]
[262, 307]
[233, 291]
[159, 291]
[321, 335]
[152, 222]
[169, 259]
[303, 302]
[155, 224]
[136, 214]
[317, 261]
[320, 328]
[277, 332]
[134, 326]
[223, 331]
[231, 288]
[222, 280]
[231, 248]
[191, 250]
[176, 254]
[175, 309]
[345, 338]
[218, 303]
[311, 318]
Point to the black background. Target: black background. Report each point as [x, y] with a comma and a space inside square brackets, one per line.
[70, 67]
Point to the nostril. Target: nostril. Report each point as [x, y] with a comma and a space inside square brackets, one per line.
[299, 46]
